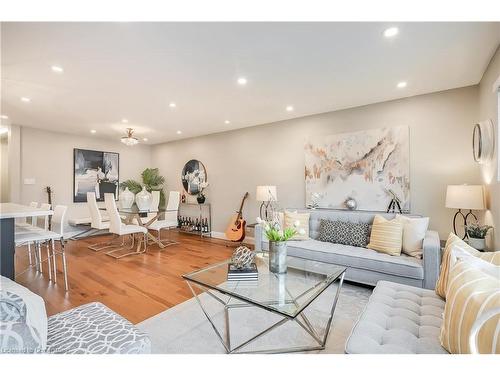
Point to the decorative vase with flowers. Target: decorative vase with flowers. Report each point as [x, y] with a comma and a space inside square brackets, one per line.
[201, 197]
[278, 237]
[476, 235]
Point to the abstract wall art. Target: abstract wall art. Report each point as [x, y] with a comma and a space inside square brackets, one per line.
[364, 165]
[95, 171]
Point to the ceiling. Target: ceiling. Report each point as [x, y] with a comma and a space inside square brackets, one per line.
[131, 70]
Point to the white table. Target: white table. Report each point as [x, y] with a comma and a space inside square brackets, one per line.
[8, 213]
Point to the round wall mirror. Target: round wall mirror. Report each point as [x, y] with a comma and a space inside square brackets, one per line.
[483, 142]
[193, 174]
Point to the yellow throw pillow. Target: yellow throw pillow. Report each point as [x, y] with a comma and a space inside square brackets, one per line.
[303, 219]
[386, 236]
[473, 289]
[447, 260]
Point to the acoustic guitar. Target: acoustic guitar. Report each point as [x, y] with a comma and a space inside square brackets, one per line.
[236, 229]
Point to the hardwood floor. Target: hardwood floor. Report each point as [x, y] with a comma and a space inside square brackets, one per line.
[137, 287]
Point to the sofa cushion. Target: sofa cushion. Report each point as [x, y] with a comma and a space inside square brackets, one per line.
[344, 232]
[94, 329]
[398, 319]
[386, 236]
[358, 257]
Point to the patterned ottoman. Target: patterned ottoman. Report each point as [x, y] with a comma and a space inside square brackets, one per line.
[94, 329]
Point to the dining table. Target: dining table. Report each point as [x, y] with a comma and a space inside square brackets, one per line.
[9, 212]
[135, 215]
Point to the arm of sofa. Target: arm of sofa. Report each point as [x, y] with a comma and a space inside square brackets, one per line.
[431, 259]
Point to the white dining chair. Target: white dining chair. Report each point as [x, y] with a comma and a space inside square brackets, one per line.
[170, 220]
[23, 221]
[117, 227]
[97, 222]
[48, 238]
[42, 222]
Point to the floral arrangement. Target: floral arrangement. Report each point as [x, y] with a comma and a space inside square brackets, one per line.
[477, 231]
[201, 187]
[274, 231]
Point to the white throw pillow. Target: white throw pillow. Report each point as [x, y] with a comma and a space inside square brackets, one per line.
[414, 229]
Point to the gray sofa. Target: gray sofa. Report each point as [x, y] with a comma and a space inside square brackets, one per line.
[364, 265]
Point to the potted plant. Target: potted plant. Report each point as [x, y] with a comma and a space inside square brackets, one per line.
[278, 238]
[476, 234]
[151, 181]
[201, 197]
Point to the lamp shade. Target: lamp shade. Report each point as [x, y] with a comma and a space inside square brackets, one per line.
[469, 197]
[266, 193]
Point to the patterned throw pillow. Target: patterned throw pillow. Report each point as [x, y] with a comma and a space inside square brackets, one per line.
[344, 233]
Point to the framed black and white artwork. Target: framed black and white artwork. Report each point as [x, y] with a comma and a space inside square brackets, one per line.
[95, 171]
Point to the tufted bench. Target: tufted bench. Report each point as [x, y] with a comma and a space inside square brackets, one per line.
[398, 319]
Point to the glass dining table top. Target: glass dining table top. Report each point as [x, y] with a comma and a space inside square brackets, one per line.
[135, 210]
[287, 294]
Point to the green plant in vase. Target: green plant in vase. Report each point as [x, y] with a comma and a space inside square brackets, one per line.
[476, 235]
[278, 237]
[151, 180]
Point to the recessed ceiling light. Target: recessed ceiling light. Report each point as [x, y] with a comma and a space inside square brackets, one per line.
[227, 122]
[124, 120]
[172, 105]
[401, 84]
[242, 81]
[57, 69]
[93, 131]
[178, 132]
[390, 32]
[25, 99]
[145, 139]
[289, 108]
[4, 130]
[5, 117]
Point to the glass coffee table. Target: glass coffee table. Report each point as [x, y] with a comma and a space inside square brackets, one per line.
[286, 296]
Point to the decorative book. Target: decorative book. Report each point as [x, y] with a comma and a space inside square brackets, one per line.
[248, 273]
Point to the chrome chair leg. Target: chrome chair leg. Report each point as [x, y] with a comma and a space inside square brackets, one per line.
[65, 266]
[104, 245]
[39, 251]
[29, 254]
[54, 260]
[49, 260]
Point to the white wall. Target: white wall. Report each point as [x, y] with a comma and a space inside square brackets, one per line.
[48, 158]
[4, 168]
[440, 154]
[488, 109]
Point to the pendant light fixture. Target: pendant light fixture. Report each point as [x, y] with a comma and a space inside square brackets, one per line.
[129, 139]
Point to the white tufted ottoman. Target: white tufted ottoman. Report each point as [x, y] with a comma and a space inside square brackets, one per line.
[398, 319]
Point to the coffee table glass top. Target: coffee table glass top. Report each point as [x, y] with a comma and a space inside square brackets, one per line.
[288, 294]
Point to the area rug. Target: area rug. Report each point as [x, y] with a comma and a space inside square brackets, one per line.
[185, 329]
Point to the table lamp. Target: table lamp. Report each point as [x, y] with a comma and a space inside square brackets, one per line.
[464, 197]
[267, 195]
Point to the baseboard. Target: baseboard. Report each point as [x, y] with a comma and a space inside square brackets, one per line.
[222, 236]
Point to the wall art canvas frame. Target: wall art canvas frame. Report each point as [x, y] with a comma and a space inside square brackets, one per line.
[95, 171]
[363, 165]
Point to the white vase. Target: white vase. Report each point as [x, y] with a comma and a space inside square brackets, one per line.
[127, 198]
[143, 199]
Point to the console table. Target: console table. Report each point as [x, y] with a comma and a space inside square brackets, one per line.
[204, 211]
